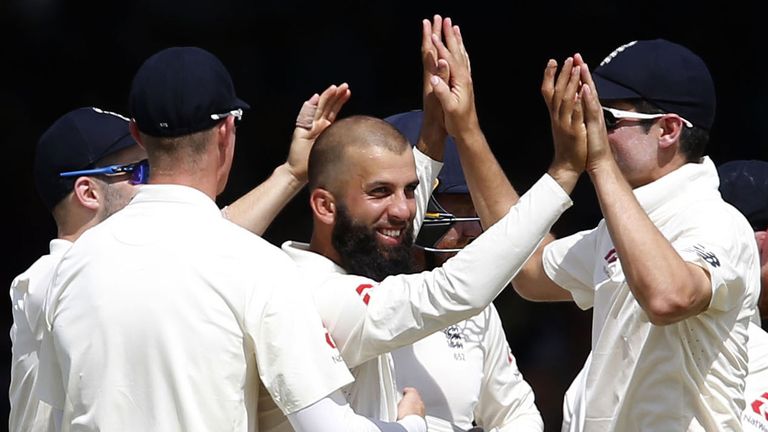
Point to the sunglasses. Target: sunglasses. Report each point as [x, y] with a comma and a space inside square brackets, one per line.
[437, 222]
[138, 171]
[614, 116]
[236, 113]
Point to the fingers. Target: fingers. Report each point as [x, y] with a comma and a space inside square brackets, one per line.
[569, 96]
[561, 82]
[343, 95]
[428, 51]
[331, 102]
[586, 77]
[437, 26]
[307, 112]
[593, 116]
[577, 116]
[443, 70]
[548, 83]
[463, 48]
[449, 34]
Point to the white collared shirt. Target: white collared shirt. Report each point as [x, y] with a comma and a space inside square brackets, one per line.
[166, 316]
[28, 413]
[688, 375]
[367, 319]
[466, 373]
[755, 415]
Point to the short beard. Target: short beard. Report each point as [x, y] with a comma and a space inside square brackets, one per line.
[362, 255]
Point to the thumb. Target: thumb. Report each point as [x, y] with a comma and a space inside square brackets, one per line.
[442, 91]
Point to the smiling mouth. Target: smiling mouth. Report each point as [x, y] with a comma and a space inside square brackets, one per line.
[393, 233]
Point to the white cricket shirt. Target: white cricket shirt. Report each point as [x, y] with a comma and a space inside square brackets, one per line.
[466, 373]
[688, 375]
[755, 416]
[367, 319]
[28, 414]
[166, 316]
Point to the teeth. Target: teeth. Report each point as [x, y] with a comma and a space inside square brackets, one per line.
[391, 233]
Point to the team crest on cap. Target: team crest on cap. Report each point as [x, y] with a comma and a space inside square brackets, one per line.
[616, 52]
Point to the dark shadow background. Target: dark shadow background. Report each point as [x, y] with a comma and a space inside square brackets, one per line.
[59, 55]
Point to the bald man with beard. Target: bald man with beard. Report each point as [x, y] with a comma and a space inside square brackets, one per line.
[367, 201]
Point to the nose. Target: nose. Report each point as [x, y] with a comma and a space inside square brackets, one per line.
[402, 208]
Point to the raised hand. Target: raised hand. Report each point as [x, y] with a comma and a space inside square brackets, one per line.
[569, 134]
[456, 94]
[598, 150]
[315, 116]
[433, 129]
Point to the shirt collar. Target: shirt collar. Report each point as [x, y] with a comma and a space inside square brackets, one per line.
[179, 194]
[312, 261]
[691, 179]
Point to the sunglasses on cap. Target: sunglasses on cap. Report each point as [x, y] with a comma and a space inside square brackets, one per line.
[614, 116]
[138, 171]
[437, 222]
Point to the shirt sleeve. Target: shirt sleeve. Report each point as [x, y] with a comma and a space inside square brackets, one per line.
[333, 414]
[506, 400]
[726, 249]
[367, 319]
[427, 170]
[569, 262]
[49, 386]
[297, 360]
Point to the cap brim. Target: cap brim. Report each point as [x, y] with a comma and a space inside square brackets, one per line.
[239, 103]
[610, 90]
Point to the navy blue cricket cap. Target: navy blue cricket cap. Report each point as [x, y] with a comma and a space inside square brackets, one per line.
[744, 184]
[76, 141]
[666, 74]
[451, 177]
[178, 90]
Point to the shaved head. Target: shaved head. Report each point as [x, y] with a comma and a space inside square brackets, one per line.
[327, 160]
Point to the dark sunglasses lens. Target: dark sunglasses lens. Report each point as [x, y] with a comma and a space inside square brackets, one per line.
[140, 173]
[431, 232]
[610, 120]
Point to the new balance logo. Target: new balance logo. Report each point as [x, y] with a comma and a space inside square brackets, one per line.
[706, 255]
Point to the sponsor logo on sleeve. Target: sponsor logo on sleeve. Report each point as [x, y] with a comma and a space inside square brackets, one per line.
[706, 255]
[362, 292]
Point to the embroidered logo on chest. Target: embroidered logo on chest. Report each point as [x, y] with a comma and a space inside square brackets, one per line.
[454, 337]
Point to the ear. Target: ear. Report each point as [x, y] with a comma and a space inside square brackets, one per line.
[88, 193]
[670, 128]
[323, 205]
[135, 133]
[225, 131]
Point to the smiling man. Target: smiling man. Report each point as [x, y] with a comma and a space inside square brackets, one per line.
[368, 193]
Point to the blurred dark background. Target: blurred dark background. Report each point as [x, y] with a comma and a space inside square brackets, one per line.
[58, 55]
